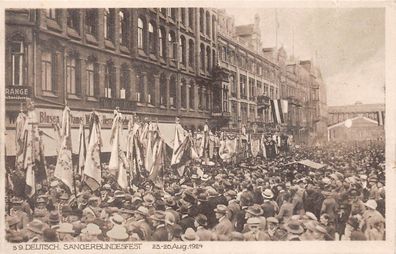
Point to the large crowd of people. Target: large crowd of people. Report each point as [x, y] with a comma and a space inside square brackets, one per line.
[256, 199]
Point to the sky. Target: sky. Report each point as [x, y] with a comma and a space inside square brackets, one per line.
[348, 44]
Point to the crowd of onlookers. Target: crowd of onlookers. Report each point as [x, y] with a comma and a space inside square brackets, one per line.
[253, 200]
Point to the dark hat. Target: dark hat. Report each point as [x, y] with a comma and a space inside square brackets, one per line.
[183, 209]
[76, 212]
[54, 217]
[255, 210]
[36, 226]
[202, 197]
[49, 235]
[189, 197]
[201, 219]
[170, 201]
[354, 192]
[294, 227]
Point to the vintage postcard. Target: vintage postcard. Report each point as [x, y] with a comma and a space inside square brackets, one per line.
[173, 127]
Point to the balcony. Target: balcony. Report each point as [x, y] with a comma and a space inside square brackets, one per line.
[263, 101]
[112, 103]
[294, 101]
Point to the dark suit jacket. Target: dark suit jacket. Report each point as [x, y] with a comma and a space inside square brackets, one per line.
[160, 234]
[240, 220]
[187, 222]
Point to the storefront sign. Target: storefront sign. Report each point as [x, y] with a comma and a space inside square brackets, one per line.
[18, 92]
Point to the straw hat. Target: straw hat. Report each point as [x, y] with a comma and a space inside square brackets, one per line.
[221, 209]
[371, 203]
[117, 219]
[66, 228]
[255, 210]
[118, 233]
[268, 194]
[190, 235]
[91, 229]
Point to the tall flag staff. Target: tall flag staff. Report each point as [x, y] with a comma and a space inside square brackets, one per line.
[64, 165]
[82, 149]
[93, 166]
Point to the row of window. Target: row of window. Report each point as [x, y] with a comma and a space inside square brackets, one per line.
[74, 83]
[254, 91]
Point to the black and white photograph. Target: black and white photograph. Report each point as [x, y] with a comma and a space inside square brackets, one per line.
[194, 124]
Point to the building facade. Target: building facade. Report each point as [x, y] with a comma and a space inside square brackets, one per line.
[356, 122]
[154, 62]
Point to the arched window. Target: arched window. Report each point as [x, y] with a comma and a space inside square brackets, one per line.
[183, 50]
[124, 27]
[172, 45]
[202, 56]
[162, 40]
[192, 95]
[201, 20]
[172, 92]
[208, 23]
[191, 50]
[152, 37]
[183, 93]
[109, 24]
[141, 28]
[208, 63]
[191, 18]
[162, 96]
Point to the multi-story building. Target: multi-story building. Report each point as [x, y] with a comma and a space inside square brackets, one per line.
[251, 76]
[154, 62]
[356, 122]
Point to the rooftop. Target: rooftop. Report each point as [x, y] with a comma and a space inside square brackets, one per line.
[356, 108]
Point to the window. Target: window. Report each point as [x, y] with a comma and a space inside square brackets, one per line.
[183, 93]
[51, 14]
[47, 81]
[172, 45]
[208, 63]
[124, 82]
[173, 13]
[163, 11]
[140, 33]
[201, 20]
[110, 86]
[208, 24]
[202, 55]
[200, 98]
[91, 21]
[207, 107]
[213, 27]
[140, 88]
[265, 92]
[191, 18]
[124, 27]
[151, 90]
[192, 95]
[162, 45]
[17, 53]
[73, 19]
[183, 15]
[272, 92]
[214, 59]
[162, 96]
[109, 21]
[191, 51]
[243, 86]
[233, 85]
[72, 81]
[92, 86]
[152, 43]
[182, 50]
[172, 91]
[224, 53]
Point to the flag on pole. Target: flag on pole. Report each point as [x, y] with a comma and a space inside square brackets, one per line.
[82, 149]
[381, 118]
[20, 140]
[277, 113]
[64, 165]
[149, 156]
[134, 153]
[180, 136]
[285, 106]
[159, 155]
[34, 163]
[92, 166]
[118, 163]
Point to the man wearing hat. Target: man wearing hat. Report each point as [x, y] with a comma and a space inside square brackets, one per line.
[170, 205]
[190, 235]
[294, 230]
[274, 231]
[118, 234]
[254, 232]
[201, 222]
[373, 222]
[329, 205]
[34, 231]
[224, 227]
[270, 208]
[160, 233]
[357, 205]
[90, 233]
[17, 211]
[140, 221]
[255, 211]
[186, 220]
[93, 207]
